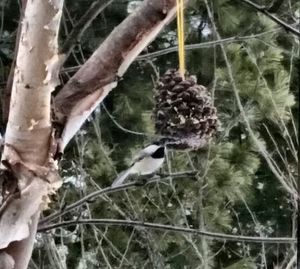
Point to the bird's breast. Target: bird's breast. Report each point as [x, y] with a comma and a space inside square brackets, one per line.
[147, 165]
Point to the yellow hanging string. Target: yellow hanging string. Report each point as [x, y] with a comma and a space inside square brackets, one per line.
[180, 34]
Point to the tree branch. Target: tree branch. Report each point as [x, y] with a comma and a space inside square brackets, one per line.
[205, 44]
[275, 5]
[28, 133]
[123, 128]
[108, 190]
[277, 173]
[189, 47]
[163, 227]
[264, 10]
[99, 75]
[84, 22]
[292, 262]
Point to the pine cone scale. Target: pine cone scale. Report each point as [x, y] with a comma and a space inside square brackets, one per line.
[184, 111]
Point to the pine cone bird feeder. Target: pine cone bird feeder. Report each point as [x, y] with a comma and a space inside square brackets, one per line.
[183, 111]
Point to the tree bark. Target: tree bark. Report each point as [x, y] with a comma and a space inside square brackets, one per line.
[30, 175]
[5, 100]
[28, 169]
[99, 75]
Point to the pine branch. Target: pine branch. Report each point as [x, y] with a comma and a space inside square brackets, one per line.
[275, 5]
[264, 10]
[276, 171]
[208, 44]
[136, 184]
[163, 227]
[84, 22]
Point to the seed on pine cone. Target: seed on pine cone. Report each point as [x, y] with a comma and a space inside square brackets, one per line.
[184, 111]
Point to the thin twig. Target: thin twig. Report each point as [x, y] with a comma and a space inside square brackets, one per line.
[83, 23]
[175, 196]
[206, 44]
[126, 249]
[66, 31]
[163, 227]
[277, 173]
[264, 10]
[292, 261]
[123, 128]
[109, 190]
[279, 115]
[191, 47]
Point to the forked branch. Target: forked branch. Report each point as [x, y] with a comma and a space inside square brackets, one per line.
[100, 74]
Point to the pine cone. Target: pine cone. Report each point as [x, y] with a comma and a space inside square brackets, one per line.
[184, 111]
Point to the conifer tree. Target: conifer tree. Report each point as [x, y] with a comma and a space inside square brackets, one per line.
[243, 182]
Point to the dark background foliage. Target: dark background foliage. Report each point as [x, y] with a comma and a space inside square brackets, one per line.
[235, 190]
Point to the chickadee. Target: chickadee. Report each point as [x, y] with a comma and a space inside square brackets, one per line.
[146, 162]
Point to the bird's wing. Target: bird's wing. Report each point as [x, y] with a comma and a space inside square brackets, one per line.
[148, 151]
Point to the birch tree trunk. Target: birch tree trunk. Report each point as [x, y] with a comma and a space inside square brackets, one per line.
[29, 174]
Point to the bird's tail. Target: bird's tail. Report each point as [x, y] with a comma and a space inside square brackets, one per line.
[120, 179]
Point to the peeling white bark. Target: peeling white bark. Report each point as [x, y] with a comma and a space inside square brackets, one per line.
[146, 39]
[7, 261]
[111, 60]
[82, 111]
[29, 128]
[33, 81]
[28, 133]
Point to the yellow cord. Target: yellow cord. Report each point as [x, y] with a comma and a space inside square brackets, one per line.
[180, 34]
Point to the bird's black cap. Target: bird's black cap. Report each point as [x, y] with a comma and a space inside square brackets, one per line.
[159, 153]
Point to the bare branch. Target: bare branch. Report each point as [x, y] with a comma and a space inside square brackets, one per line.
[292, 262]
[275, 5]
[208, 44]
[108, 190]
[195, 46]
[265, 11]
[277, 173]
[121, 127]
[163, 227]
[99, 75]
[84, 22]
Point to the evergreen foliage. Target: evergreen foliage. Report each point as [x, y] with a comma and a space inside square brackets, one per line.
[234, 190]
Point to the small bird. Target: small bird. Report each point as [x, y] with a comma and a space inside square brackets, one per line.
[146, 162]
